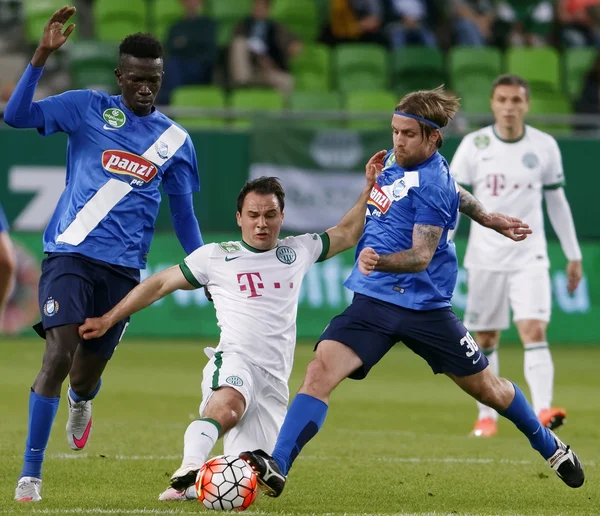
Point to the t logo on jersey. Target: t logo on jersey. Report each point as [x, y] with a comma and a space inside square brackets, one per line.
[379, 199]
[122, 162]
[247, 282]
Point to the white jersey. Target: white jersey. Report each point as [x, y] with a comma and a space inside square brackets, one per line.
[255, 294]
[508, 177]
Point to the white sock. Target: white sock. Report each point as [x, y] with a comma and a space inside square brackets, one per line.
[539, 373]
[492, 356]
[198, 441]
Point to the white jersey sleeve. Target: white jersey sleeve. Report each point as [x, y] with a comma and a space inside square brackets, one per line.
[553, 174]
[316, 245]
[461, 166]
[195, 266]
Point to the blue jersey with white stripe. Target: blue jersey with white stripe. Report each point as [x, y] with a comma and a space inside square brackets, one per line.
[3, 221]
[425, 194]
[116, 161]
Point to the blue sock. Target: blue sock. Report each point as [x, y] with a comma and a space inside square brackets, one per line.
[524, 418]
[304, 419]
[77, 398]
[42, 411]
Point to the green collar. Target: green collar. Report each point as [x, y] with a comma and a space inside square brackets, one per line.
[509, 141]
[254, 249]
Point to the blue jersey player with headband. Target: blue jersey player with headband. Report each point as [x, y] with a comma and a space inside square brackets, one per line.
[403, 280]
[120, 150]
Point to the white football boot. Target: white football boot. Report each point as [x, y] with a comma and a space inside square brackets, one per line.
[28, 490]
[184, 477]
[79, 424]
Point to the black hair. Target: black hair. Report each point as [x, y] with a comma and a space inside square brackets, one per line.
[263, 185]
[509, 79]
[141, 45]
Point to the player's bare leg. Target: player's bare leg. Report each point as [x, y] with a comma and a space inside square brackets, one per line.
[539, 371]
[333, 363]
[487, 419]
[509, 401]
[61, 343]
[85, 377]
[223, 411]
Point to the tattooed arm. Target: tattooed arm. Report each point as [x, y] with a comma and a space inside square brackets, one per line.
[508, 226]
[425, 240]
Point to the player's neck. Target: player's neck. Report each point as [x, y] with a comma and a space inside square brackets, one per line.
[509, 134]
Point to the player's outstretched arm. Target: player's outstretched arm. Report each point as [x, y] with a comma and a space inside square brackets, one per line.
[425, 240]
[21, 112]
[150, 290]
[347, 233]
[510, 227]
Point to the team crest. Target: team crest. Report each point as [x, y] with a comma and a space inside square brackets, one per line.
[530, 160]
[162, 149]
[482, 141]
[398, 188]
[51, 307]
[390, 161]
[114, 117]
[235, 380]
[286, 255]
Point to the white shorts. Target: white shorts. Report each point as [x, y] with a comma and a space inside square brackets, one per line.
[492, 294]
[266, 400]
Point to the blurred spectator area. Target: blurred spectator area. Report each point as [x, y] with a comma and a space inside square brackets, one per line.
[329, 56]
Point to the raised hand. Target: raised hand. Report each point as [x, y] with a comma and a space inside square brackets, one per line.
[374, 167]
[510, 227]
[93, 328]
[54, 37]
[367, 259]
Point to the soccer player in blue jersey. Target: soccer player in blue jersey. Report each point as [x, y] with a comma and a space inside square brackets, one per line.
[120, 150]
[403, 280]
[7, 263]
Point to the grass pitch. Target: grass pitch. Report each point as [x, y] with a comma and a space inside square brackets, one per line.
[395, 443]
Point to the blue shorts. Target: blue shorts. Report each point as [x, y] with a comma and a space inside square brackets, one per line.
[371, 327]
[74, 287]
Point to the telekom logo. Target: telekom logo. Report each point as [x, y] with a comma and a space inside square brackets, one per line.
[495, 182]
[247, 281]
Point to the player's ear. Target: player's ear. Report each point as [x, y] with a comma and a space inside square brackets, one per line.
[118, 76]
[238, 217]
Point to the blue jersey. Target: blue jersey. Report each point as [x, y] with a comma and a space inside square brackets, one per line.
[3, 221]
[115, 164]
[426, 194]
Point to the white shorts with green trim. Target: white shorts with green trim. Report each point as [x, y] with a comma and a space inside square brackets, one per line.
[493, 294]
[266, 400]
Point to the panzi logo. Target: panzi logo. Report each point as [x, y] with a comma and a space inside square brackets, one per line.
[379, 199]
[121, 162]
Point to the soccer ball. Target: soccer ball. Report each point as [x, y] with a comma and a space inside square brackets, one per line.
[225, 483]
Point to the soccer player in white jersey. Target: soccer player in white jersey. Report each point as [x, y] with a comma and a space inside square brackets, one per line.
[254, 283]
[512, 167]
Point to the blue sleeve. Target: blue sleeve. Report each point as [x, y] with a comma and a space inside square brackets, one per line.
[182, 176]
[20, 110]
[3, 222]
[185, 223]
[64, 112]
[432, 206]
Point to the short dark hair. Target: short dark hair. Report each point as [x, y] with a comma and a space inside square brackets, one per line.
[141, 45]
[264, 186]
[510, 79]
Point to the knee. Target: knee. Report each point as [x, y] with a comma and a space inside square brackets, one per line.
[56, 364]
[487, 339]
[532, 331]
[496, 393]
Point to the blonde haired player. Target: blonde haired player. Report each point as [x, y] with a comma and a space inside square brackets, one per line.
[255, 284]
[512, 167]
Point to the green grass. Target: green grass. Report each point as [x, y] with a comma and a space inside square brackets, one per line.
[395, 443]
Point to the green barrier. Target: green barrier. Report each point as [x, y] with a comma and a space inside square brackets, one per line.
[189, 314]
[32, 173]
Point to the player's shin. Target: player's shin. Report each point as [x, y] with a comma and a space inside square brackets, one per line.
[304, 419]
[525, 419]
[200, 438]
[42, 412]
[539, 373]
[486, 412]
